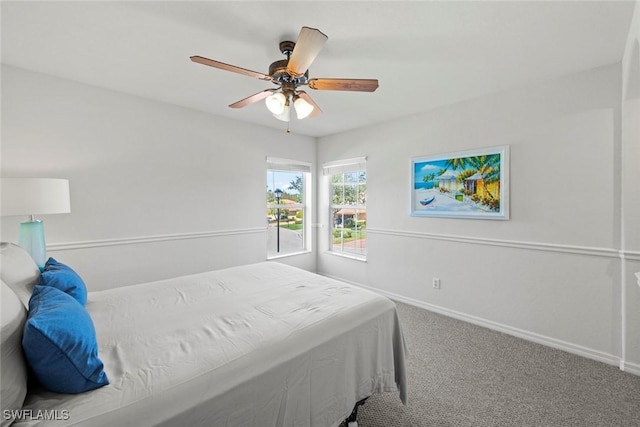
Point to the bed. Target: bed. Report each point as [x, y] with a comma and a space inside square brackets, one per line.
[257, 345]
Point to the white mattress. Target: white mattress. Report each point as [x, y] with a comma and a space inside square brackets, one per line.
[259, 345]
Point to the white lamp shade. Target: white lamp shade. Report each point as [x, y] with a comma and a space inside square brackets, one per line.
[31, 196]
[285, 116]
[276, 103]
[303, 108]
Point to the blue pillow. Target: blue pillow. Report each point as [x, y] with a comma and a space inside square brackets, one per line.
[63, 277]
[59, 343]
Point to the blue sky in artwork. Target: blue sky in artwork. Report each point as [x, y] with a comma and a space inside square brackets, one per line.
[422, 169]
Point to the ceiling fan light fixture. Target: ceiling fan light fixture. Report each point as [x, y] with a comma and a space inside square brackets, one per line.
[302, 107]
[276, 103]
[285, 116]
[288, 74]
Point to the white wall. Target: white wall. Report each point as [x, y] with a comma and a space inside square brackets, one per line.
[553, 272]
[156, 190]
[630, 162]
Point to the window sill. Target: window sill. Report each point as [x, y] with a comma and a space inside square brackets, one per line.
[360, 258]
[289, 254]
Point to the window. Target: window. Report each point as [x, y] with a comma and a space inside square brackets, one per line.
[348, 208]
[288, 192]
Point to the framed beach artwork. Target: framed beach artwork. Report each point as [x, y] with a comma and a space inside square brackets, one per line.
[464, 184]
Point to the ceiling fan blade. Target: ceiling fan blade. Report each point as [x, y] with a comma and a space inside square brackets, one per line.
[253, 98]
[356, 85]
[310, 42]
[227, 67]
[316, 110]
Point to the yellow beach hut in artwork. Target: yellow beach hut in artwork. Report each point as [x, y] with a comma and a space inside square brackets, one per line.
[476, 184]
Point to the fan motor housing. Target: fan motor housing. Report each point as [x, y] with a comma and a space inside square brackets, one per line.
[278, 72]
[278, 69]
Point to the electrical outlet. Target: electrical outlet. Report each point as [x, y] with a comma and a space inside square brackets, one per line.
[436, 283]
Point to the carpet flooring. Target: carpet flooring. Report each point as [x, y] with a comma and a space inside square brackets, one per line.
[461, 374]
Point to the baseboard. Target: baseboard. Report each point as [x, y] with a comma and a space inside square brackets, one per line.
[632, 368]
[589, 353]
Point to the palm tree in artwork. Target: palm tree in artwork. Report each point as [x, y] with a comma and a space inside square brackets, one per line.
[429, 178]
[458, 163]
[488, 166]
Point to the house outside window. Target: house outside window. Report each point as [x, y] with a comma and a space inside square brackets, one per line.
[288, 193]
[348, 207]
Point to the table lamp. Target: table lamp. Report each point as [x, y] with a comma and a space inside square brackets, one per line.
[34, 196]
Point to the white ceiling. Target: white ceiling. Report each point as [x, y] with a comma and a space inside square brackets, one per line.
[424, 54]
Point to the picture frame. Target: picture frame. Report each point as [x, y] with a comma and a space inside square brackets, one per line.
[472, 184]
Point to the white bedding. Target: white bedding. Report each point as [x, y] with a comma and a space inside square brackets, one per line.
[260, 345]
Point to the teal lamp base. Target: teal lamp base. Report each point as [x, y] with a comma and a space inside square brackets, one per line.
[31, 239]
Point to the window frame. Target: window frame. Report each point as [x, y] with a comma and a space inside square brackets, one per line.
[355, 166]
[293, 166]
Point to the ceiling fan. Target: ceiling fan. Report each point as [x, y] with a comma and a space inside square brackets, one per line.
[291, 73]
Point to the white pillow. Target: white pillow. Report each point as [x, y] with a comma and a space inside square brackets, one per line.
[18, 270]
[12, 364]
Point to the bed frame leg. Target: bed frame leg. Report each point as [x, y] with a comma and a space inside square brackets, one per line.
[352, 420]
